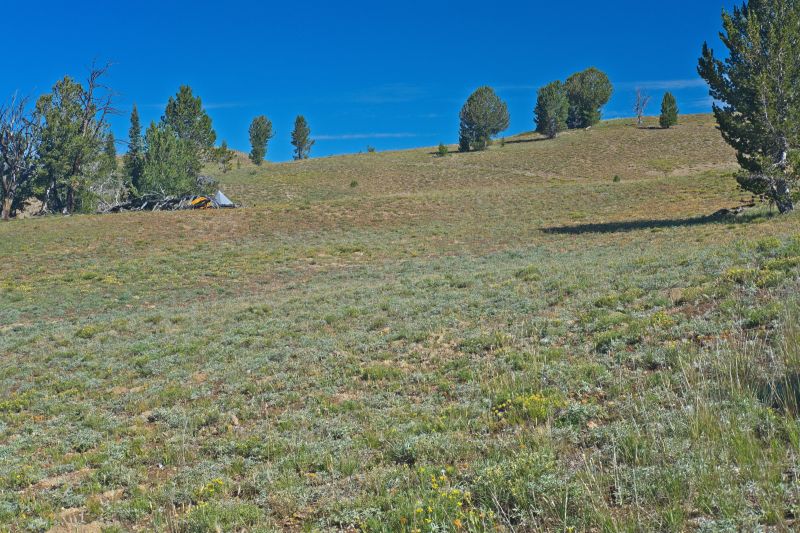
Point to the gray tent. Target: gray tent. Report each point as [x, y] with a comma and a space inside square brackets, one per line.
[222, 201]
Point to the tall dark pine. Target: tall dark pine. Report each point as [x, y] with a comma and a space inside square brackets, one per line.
[134, 159]
[757, 87]
[110, 153]
[301, 138]
[190, 122]
[669, 111]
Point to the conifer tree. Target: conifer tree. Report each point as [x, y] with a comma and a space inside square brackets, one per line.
[301, 138]
[669, 111]
[483, 116]
[587, 92]
[133, 161]
[110, 154]
[552, 109]
[171, 165]
[190, 122]
[225, 157]
[74, 126]
[757, 87]
[260, 134]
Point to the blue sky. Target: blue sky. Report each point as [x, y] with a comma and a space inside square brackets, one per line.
[388, 74]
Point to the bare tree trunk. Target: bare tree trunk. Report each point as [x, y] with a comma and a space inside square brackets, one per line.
[70, 207]
[782, 196]
[19, 139]
[7, 202]
[47, 204]
[642, 99]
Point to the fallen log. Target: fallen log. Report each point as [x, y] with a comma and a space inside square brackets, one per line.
[170, 203]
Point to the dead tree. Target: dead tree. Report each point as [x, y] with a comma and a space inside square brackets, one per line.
[19, 141]
[642, 99]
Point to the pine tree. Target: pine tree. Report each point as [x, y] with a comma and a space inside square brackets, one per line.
[225, 157]
[669, 111]
[171, 165]
[73, 135]
[552, 109]
[110, 153]
[260, 134]
[133, 161]
[587, 92]
[190, 122]
[483, 116]
[757, 85]
[301, 138]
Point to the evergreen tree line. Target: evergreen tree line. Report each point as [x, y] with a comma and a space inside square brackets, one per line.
[62, 154]
[572, 104]
[754, 88]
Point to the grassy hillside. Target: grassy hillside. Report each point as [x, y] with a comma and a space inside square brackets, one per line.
[504, 340]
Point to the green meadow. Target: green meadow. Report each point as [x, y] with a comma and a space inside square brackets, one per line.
[548, 335]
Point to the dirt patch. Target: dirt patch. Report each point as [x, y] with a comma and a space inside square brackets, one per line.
[74, 527]
[63, 479]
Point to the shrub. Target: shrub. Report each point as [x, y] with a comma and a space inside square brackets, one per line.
[213, 516]
[442, 150]
[769, 278]
[521, 408]
[529, 273]
[518, 486]
[762, 316]
[88, 331]
[739, 275]
[402, 453]
[784, 264]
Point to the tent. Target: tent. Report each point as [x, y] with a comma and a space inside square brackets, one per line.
[222, 201]
[172, 203]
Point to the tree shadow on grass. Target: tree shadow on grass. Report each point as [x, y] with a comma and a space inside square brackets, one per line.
[534, 140]
[644, 224]
[495, 142]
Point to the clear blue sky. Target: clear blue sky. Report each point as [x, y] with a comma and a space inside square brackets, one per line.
[390, 74]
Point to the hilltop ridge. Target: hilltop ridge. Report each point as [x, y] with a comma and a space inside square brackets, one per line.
[611, 148]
